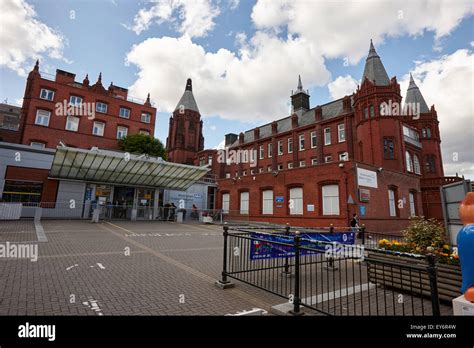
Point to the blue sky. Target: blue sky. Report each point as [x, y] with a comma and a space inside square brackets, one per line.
[244, 56]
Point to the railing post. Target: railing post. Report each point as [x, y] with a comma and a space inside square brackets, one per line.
[287, 266]
[224, 283]
[296, 296]
[432, 274]
[362, 234]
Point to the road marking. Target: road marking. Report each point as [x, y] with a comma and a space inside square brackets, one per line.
[237, 292]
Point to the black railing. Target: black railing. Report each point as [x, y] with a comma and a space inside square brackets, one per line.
[328, 277]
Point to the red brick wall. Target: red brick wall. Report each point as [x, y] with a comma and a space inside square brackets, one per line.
[83, 138]
[10, 136]
[50, 187]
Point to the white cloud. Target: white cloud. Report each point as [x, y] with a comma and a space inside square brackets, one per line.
[23, 37]
[448, 83]
[253, 83]
[342, 86]
[342, 28]
[233, 4]
[220, 146]
[249, 87]
[195, 17]
[212, 127]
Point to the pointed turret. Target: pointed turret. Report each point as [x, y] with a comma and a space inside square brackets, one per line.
[374, 70]
[187, 101]
[300, 98]
[414, 96]
[148, 102]
[85, 82]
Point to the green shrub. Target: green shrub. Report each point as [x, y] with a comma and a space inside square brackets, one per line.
[424, 233]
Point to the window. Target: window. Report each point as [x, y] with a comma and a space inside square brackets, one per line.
[37, 144]
[411, 196]
[372, 111]
[269, 169]
[209, 160]
[430, 164]
[328, 158]
[423, 132]
[302, 163]
[267, 202]
[98, 128]
[391, 202]
[101, 107]
[260, 170]
[408, 161]
[428, 133]
[366, 113]
[388, 149]
[296, 201]
[261, 152]
[227, 175]
[46, 94]
[22, 191]
[270, 149]
[72, 123]
[343, 156]
[42, 117]
[341, 133]
[313, 140]
[244, 202]
[144, 132]
[330, 194]
[327, 136]
[225, 202]
[124, 113]
[301, 142]
[244, 173]
[290, 145]
[280, 148]
[416, 164]
[75, 100]
[290, 165]
[121, 132]
[314, 161]
[252, 171]
[146, 117]
[280, 166]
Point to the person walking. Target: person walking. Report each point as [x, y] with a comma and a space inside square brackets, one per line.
[355, 223]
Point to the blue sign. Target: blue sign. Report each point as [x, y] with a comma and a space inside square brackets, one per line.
[279, 199]
[362, 210]
[259, 249]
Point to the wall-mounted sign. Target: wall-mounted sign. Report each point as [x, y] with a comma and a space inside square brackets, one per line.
[367, 178]
[279, 206]
[310, 207]
[279, 199]
[364, 195]
[362, 210]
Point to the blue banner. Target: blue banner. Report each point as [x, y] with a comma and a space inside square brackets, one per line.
[259, 249]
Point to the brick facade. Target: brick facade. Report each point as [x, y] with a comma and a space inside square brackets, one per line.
[64, 86]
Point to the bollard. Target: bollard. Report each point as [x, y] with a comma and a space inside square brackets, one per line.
[224, 283]
[286, 270]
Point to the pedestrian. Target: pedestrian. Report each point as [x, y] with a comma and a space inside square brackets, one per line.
[354, 223]
[172, 211]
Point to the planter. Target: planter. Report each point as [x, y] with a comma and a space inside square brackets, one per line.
[207, 219]
[448, 276]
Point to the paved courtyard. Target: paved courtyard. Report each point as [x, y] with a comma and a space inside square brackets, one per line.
[120, 268]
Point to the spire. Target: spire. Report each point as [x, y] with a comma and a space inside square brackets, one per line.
[299, 88]
[147, 102]
[99, 80]
[85, 82]
[187, 101]
[414, 96]
[300, 98]
[374, 69]
[36, 68]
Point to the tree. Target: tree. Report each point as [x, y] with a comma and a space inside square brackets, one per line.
[142, 144]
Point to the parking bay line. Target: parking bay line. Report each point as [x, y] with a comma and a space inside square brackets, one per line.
[237, 292]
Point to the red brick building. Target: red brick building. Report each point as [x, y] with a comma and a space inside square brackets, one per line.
[318, 166]
[80, 114]
[185, 138]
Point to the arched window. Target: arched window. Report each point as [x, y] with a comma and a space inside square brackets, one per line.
[428, 133]
[430, 164]
[372, 111]
[423, 133]
[409, 162]
[416, 164]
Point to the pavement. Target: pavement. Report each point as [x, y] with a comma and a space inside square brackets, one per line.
[120, 268]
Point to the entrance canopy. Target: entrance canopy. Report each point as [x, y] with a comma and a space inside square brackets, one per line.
[121, 168]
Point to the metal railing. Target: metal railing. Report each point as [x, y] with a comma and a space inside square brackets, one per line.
[329, 277]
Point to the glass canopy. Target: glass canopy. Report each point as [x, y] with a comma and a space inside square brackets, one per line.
[121, 168]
